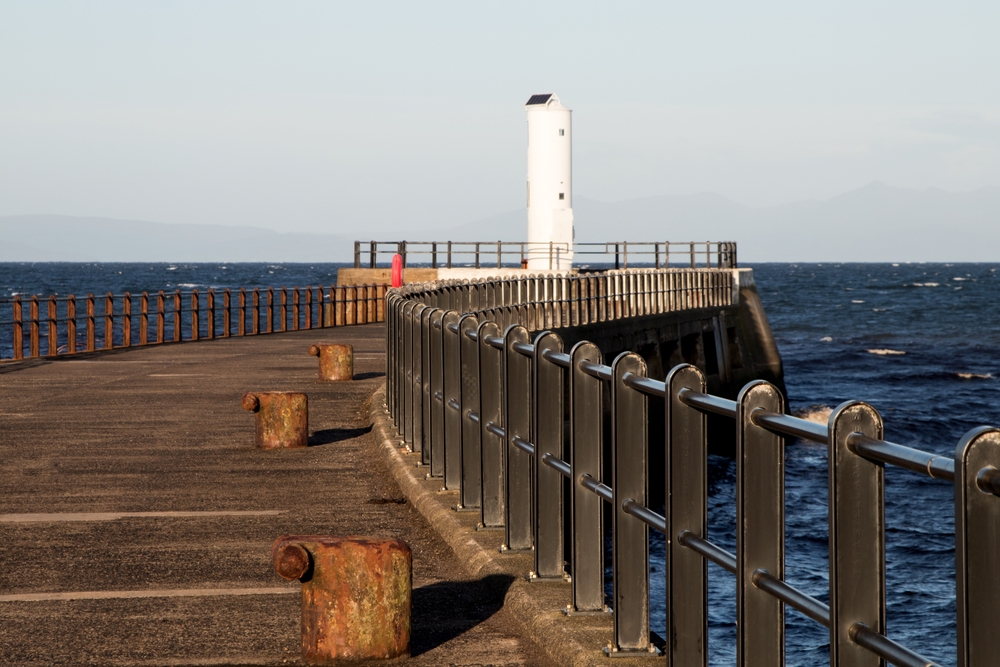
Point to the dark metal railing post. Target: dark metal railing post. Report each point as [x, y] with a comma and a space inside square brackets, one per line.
[548, 433]
[18, 329]
[357, 254]
[517, 402]
[629, 536]
[424, 361]
[210, 331]
[416, 365]
[586, 458]
[407, 380]
[435, 387]
[33, 344]
[269, 321]
[857, 536]
[452, 392]
[372, 255]
[255, 311]
[471, 493]
[760, 528]
[477, 255]
[977, 541]
[91, 324]
[449, 254]
[686, 497]
[241, 313]
[490, 408]
[434, 254]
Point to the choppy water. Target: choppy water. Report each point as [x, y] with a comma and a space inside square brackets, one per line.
[921, 342]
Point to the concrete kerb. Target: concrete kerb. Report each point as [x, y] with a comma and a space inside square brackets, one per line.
[536, 607]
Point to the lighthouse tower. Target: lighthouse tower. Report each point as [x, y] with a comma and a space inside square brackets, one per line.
[550, 184]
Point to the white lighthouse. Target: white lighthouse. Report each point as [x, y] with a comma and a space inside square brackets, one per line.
[550, 184]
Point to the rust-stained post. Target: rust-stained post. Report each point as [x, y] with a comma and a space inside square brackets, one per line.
[18, 329]
[195, 315]
[211, 314]
[356, 594]
[336, 362]
[33, 327]
[71, 323]
[241, 325]
[177, 315]
[282, 418]
[91, 324]
[362, 301]
[295, 308]
[283, 310]
[309, 307]
[270, 311]
[144, 318]
[351, 307]
[127, 320]
[227, 309]
[255, 312]
[53, 329]
[380, 304]
[161, 315]
[109, 321]
[372, 308]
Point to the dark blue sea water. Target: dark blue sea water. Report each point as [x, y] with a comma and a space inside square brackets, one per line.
[921, 342]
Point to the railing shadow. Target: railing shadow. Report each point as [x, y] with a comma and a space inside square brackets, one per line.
[331, 435]
[447, 609]
[369, 375]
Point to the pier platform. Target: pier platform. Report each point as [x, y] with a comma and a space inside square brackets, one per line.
[137, 516]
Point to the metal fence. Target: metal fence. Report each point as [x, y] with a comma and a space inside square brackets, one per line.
[483, 254]
[53, 326]
[503, 415]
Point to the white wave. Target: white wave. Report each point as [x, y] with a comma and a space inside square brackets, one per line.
[882, 352]
[856, 301]
[958, 288]
[958, 279]
[879, 310]
[819, 414]
[826, 339]
[895, 264]
[171, 268]
[925, 284]
[974, 376]
[188, 285]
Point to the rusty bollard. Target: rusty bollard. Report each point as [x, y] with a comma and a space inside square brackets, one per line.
[282, 418]
[336, 362]
[355, 595]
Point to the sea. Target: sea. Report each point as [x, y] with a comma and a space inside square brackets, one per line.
[919, 341]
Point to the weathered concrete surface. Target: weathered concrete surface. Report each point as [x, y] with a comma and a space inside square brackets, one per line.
[160, 431]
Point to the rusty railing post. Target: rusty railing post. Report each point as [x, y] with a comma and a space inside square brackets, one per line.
[71, 323]
[109, 321]
[351, 307]
[283, 310]
[33, 327]
[270, 311]
[127, 320]
[255, 311]
[177, 315]
[309, 307]
[18, 329]
[91, 324]
[144, 319]
[241, 325]
[53, 329]
[195, 315]
[295, 307]
[210, 323]
[161, 316]
[227, 310]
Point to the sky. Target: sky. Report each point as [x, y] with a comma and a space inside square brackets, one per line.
[377, 117]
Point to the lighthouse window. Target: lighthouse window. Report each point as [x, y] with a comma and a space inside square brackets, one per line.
[562, 133]
[562, 195]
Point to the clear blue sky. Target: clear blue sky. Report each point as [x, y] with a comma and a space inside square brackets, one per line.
[371, 116]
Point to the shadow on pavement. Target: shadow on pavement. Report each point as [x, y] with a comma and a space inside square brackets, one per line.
[445, 610]
[331, 435]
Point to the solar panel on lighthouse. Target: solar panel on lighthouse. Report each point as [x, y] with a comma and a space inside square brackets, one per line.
[550, 184]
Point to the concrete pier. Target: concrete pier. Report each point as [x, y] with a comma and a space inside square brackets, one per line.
[137, 515]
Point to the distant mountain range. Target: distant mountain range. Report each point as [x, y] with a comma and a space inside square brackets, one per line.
[874, 223]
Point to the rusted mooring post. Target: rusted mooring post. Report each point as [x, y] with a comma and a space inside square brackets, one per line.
[336, 362]
[282, 418]
[355, 595]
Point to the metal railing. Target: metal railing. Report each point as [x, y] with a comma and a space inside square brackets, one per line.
[487, 254]
[70, 324]
[485, 402]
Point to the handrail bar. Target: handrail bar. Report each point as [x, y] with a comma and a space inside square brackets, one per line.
[474, 416]
[454, 405]
[647, 386]
[886, 648]
[707, 402]
[558, 464]
[527, 349]
[496, 430]
[932, 465]
[495, 341]
[558, 358]
[716, 554]
[592, 485]
[789, 425]
[599, 371]
[523, 445]
[453, 327]
[644, 514]
[472, 335]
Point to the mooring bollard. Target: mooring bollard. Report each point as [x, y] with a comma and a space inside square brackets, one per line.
[336, 362]
[355, 595]
[282, 418]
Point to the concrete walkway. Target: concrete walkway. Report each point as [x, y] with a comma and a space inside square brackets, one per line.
[136, 516]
